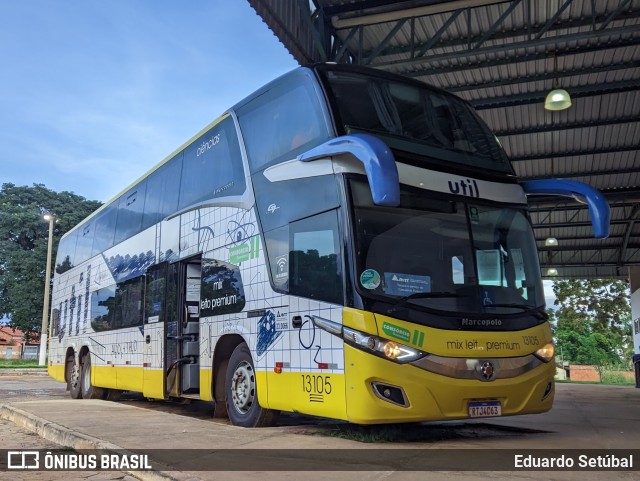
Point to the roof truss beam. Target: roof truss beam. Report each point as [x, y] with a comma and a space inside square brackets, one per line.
[510, 60]
[583, 173]
[553, 19]
[577, 206]
[627, 235]
[538, 97]
[592, 247]
[466, 40]
[386, 40]
[512, 47]
[560, 225]
[438, 35]
[614, 14]
[546, 76]
[575, 238]
[498, 22]
[568, 126]
[576, 153]
[397, 11]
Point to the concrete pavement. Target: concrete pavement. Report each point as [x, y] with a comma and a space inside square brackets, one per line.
[584, 417]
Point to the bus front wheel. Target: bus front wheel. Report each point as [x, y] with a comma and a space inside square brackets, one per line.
[241, 392]
[89, 391]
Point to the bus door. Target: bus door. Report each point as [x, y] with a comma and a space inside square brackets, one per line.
[159, 320]
[171, 355]
[189, 345]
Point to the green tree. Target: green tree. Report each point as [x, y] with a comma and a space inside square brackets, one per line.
[593, 322]
[23, 246]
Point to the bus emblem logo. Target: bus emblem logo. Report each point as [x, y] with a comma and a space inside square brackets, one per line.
[468, 187]
[272, 208]
[487, 370]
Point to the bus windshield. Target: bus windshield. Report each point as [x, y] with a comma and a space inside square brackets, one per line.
[414, 118]
[445, 255]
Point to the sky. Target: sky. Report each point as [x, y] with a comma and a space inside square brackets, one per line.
[94, 93]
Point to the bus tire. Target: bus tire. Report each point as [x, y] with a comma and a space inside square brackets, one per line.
[73, 378]
[242, 394]
[89, 391]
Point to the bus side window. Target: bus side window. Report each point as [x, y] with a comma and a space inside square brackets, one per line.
[212, 166]
[282, 122]
[162, 192]
[117, 306]
[130, 210]
[66, 257]
[305, 260]
[84, 241]
[277, 247]
[105, 229]
[314, 258]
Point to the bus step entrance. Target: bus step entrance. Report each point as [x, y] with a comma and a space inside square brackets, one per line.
[190, 372]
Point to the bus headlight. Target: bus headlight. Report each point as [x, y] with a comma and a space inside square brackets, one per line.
[391, 350]
[546, 352]
[378, 346]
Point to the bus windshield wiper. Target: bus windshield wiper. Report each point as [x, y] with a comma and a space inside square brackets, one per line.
[535, 310]
[422, 295]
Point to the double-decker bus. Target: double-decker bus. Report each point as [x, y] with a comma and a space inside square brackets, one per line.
[343, 243]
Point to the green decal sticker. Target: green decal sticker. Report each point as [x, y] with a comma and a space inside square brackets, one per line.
[370, 279]
[396, 332]
[246, 251]
[418, 338]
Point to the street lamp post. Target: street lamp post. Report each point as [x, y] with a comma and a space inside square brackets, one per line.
[47, 284]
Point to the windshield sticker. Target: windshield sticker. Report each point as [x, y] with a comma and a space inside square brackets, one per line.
[518, 264]
[397, 284]
[370, 279]
[473, 214]
[487, 298]
[489, 267]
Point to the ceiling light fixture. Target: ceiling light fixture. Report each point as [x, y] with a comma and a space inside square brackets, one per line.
[558, 98]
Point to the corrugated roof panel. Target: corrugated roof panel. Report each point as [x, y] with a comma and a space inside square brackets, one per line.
[532, 67]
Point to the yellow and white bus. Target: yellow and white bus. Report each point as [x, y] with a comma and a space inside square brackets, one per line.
[343, 243]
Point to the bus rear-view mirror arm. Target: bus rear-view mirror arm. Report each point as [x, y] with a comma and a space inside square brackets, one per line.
[598, 207]
[377, 158]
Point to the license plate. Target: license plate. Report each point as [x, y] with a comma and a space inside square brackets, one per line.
[485, 409]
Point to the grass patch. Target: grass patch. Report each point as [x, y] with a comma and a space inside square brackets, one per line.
[607, 378]
[373, 434]
[19, 363]
[616, 378]
[419, 433]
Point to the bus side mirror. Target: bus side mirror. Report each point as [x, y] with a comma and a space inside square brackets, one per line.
[598, 207]
[377, 158]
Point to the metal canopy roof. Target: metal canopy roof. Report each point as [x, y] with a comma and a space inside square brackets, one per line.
[504, 57]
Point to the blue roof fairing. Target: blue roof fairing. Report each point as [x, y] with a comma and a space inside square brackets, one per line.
[598, 207]
[379, 163]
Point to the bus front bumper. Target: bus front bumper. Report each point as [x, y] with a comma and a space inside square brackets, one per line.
[381, 391]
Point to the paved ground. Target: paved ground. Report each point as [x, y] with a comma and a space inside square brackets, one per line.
[584, 417]
[15, 438]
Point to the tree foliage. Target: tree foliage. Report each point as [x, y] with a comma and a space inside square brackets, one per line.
[593, 322]
[23, 246]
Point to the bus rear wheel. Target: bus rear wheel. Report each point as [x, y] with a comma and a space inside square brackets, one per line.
[72, 373]
[241, 392]
[89, 391]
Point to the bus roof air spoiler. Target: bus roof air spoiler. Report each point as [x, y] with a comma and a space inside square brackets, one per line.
[379, 163]
[598, 207]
